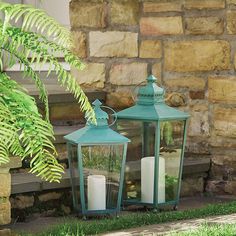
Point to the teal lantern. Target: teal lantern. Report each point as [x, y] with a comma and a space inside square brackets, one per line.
[155, 155]
[97, 156]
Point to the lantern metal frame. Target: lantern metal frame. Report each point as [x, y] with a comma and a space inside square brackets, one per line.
[151, 108]
[95, 135]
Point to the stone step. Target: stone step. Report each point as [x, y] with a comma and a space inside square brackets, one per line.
[26, 182]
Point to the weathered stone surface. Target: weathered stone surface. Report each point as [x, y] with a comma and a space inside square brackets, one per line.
[199, 122]
[216, 186]
[49, 196]
[15, 162]
[194, 145]
[161, 25]
[22, 202]
[222, 89]
[121, 98]
[5, 211]
[230, 187]
[203, 55]
[87, 14]
[63, 112]
[5, 232]
[204, 4]
[233, 2]
[189, 82]
[113, 44]
[5, 184]
[125, 12]
[226, 143]
[204, 25]
[224, 122]
[162, 6]
[192, 186]
[150, 49]
[92, 76]
[79, 40]
[62, 151]
[66, 209]
[197, 95]
[231, 22]
[128, 74]
[175, 99]
[156, 70]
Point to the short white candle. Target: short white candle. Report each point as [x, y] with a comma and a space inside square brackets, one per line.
[147, 179]
[96, 192]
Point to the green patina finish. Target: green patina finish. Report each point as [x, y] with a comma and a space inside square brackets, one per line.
[156, 118]
[91, 137]
[150, 105]
[96, 134]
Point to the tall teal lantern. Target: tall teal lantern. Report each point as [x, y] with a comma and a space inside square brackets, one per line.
[155, 155]
[97, 156]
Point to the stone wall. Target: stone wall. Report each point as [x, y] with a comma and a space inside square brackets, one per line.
[189, 45]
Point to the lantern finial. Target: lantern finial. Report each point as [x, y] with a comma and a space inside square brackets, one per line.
[151, 93]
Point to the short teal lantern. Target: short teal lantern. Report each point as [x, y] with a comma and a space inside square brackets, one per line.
[97, 156]
[155, 155]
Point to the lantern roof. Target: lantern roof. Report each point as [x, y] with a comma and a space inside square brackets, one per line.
[99, 133]
[151, 105]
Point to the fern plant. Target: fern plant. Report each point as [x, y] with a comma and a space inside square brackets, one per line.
[24, 131]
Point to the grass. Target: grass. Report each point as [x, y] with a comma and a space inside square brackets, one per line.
[210, 230]
[131, 220]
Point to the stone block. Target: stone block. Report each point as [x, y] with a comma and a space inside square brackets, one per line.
[204, 4]
[22, 202]
[79, 40]
[5, 211]
[171, 25]
[231, 22]
[224, 122]
[121, 98]
[128, 74]
[191, 186]
[87, 14]
[5, 184]
[199, 121]
[150, 49]
[204, 25]
[6, 232]
[157, 70]
[93, 76]
[175, 6]
[113, 44]
[233, 2]
[175, 100]
[65, 112]
[125, 12]
[222, 89]
[189, 82]
[202, 55]
[15, 162]
[197, 94]
[49, 196]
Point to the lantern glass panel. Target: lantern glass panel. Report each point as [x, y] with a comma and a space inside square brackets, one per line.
[142, 136]
[101, 172]
[172, 134]
[74, 173]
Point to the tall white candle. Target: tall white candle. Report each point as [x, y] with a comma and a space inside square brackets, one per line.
[96, 192]
[147, 179]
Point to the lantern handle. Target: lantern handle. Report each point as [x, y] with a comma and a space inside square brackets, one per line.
[115, 114]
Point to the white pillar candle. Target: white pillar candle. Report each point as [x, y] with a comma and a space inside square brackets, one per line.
[96, 192]
[147, 179]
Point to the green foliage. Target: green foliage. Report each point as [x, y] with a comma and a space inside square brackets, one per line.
[133, 220]
[23, 131]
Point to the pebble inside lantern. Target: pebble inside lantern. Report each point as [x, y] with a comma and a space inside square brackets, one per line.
[97, 156]
[155, 155]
